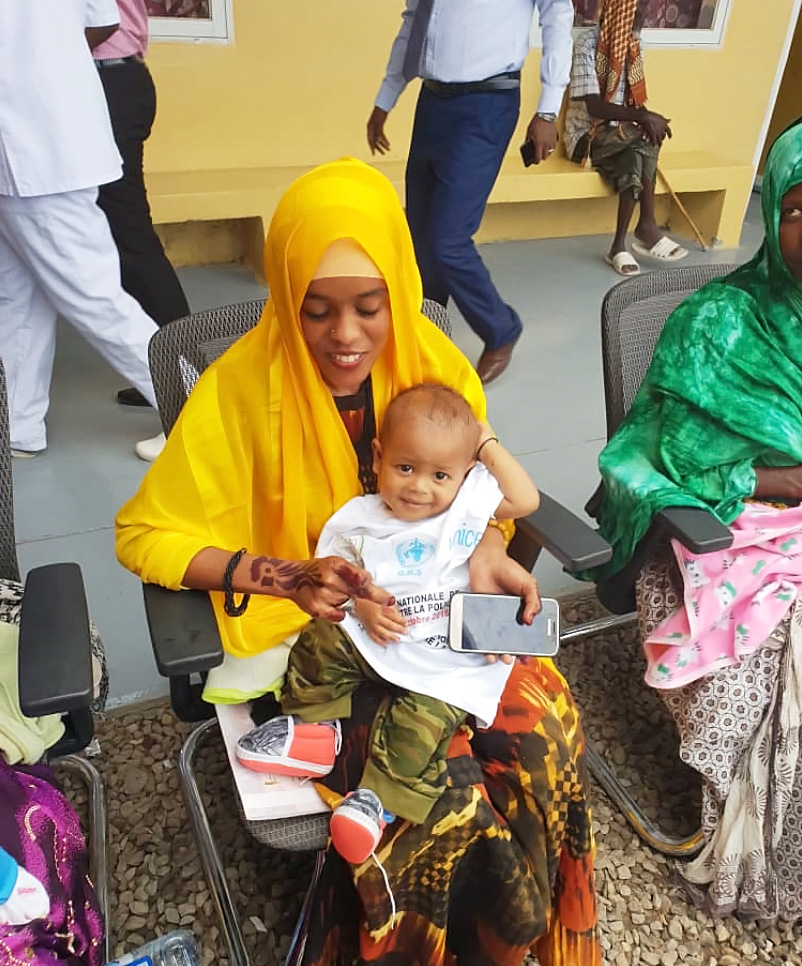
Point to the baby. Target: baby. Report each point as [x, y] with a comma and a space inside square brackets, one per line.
[441, 476]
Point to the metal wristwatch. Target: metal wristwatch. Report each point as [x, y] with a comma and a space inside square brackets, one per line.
[543, 115]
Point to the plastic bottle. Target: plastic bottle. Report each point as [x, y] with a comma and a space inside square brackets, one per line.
[176, 948]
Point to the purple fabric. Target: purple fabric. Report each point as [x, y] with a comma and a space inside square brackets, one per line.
[40, 829]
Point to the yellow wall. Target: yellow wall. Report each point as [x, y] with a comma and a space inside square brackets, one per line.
[296, 86]
[789, 98]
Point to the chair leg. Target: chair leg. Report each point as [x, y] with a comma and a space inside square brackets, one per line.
[578, 631]
[643, 826]
[209, 855]
[298, 943]
[607, 778]
[98, 837]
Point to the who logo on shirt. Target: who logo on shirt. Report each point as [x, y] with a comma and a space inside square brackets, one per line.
[413, 553]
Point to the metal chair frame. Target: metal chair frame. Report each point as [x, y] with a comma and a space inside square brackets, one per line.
[77, 719]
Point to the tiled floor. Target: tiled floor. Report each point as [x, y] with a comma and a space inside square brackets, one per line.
[548, 408]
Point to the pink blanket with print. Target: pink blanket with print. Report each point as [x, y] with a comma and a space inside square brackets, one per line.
[733, 598]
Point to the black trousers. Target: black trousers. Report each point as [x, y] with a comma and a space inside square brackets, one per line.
[147, 274]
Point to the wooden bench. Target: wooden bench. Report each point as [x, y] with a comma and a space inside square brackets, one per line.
[553, 198]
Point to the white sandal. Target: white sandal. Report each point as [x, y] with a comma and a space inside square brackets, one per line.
[664, 250]
[623, 263]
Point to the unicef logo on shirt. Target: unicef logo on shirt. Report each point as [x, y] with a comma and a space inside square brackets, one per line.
[413, 553]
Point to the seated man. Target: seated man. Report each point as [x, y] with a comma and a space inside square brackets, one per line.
[608, 124]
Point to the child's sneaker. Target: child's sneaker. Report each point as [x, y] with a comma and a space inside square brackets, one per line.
[357, 825]
[286, 746]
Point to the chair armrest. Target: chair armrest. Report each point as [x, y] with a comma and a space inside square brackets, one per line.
[183, 630]
[576, 545]
[55, 647]
[694, 527]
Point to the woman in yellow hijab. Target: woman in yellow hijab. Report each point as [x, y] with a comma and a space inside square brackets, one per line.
[274, 438]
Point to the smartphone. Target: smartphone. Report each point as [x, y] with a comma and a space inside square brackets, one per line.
[491, 624]
[528, 153]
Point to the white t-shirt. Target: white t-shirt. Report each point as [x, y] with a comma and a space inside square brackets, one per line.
[55, 132]
[421, 564]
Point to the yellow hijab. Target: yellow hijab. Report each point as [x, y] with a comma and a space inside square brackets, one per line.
[259, 457]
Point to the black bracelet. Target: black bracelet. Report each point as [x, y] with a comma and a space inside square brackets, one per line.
[232, 609]
[490, 439]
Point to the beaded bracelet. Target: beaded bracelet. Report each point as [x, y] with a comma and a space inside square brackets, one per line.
[490, 439]
[232, 609]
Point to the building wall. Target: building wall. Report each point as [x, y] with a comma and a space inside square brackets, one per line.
[296, 87]
[789, 98]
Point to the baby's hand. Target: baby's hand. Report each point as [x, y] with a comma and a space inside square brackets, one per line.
[384, 625]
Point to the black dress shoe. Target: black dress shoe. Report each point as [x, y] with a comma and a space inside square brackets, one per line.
[131, 397]
[492, 362]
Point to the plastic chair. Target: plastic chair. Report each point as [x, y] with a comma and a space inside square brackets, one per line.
[633, 315]
[55, 661]
[184, 634]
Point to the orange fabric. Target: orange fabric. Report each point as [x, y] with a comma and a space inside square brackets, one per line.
[504, 861]
[618, 51]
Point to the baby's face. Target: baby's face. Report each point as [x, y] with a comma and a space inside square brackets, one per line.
[421, 466]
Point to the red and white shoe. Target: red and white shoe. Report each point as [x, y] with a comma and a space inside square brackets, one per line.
[357, 825]
[286, 745]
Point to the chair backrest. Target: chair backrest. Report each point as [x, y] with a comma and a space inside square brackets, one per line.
[9, 566]
[633, 315]
[180, 351]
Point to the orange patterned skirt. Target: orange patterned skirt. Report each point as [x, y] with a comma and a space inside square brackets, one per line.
[502, 866]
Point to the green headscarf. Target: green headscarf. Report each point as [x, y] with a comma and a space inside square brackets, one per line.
[723, 394]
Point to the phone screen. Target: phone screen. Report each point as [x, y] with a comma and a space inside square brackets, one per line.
[489, 624]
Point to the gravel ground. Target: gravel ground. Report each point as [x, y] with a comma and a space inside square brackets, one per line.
[157, 882]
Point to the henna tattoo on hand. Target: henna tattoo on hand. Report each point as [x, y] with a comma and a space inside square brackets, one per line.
[357, 581]
[291, 576]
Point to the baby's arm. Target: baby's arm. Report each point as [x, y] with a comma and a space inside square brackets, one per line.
[384, 625]
[521, 496]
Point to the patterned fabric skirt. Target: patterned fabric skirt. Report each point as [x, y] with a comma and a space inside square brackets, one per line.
[39, 828]
[502, 866]
[739, 729]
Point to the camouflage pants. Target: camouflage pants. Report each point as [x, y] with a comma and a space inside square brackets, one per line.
[623, 158]
[406, 764]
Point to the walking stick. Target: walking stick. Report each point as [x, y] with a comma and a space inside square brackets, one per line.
[683, 209]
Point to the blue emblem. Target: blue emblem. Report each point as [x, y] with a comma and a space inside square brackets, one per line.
[414, 553]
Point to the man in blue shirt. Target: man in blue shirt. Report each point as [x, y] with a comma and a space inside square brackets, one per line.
[469, 54]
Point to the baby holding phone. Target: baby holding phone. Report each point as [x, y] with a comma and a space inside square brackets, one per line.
[441, 476]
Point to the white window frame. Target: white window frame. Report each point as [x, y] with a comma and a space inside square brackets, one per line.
[218, 29]
[711, 37]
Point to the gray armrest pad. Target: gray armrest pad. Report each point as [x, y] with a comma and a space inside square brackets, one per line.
[695, 528]
[183, 630]
[55, 649]
[575, 544]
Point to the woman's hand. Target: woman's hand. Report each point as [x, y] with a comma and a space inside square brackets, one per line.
[493, 571]
[384, 625]
[779, 481]
[321, 586]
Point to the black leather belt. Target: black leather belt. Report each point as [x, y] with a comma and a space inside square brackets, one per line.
[499, 82]
[119, 61]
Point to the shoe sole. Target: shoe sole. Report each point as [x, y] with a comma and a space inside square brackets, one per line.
[26, 454]
[353, 834]
[282, 765]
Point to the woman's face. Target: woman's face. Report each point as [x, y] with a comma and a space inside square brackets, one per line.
[791, 230]
[345, 323]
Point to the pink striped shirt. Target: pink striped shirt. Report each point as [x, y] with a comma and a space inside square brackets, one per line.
[132, 37]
